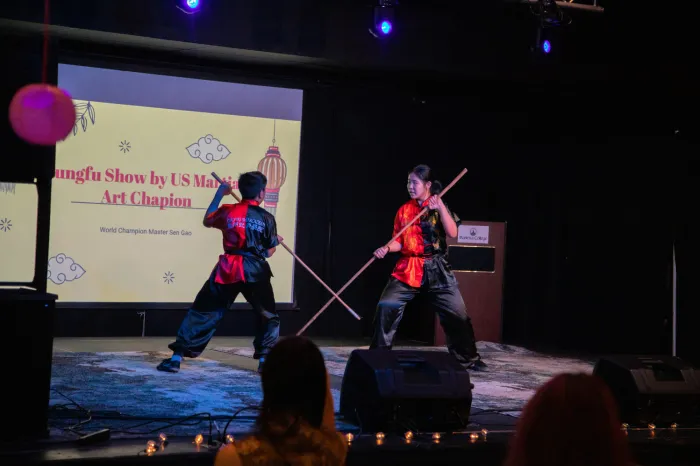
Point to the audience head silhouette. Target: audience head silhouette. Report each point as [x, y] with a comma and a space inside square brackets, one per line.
[572, 420]
[294, 386]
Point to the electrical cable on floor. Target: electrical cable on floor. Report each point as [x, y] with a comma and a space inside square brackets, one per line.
[170, 422]
[64, 411]
[235, 415]
[74, 429]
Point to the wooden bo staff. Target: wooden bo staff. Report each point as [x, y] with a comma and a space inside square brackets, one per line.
[335, 296]
[396, 236]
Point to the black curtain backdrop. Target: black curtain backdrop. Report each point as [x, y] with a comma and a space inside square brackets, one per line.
[590, 222]
[594, 186]
[687, 232]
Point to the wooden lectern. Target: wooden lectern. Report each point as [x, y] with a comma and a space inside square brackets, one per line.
[477, 257]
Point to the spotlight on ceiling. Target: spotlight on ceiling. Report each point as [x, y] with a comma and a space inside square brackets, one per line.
[550, 18]
[189, 6]
[383, 24]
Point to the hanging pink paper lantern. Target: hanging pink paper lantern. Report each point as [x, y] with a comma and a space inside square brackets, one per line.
[42, 114]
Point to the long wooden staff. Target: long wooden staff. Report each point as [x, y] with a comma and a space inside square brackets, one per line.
[425, 209]
[335, 296]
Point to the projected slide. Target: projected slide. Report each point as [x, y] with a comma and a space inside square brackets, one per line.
[18, 217]
[134, 179]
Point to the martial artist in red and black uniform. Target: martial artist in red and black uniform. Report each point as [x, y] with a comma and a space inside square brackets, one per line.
[250, 238]
[423, 269]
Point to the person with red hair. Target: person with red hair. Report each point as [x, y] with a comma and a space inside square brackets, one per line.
[572, 420]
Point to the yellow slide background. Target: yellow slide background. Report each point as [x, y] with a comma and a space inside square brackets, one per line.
[90, 265]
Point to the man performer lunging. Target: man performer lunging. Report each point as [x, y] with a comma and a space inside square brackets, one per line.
[249, 237]
[423, 269]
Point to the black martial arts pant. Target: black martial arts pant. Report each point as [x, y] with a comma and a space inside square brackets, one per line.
[446, 301]
[209, 306]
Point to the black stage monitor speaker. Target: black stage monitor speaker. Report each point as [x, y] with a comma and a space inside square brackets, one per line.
[405, 390]
[652, 389]
[28, 323]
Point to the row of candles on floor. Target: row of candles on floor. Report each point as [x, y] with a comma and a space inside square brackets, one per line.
[410, 437]
[650, 427]
[153, 446]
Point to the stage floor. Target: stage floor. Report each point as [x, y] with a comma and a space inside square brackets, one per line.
[113, 383]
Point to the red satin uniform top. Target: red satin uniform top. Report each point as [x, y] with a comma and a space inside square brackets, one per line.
[424, 239]
[248, 231]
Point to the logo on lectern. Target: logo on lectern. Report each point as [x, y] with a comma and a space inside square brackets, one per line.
[475, 234]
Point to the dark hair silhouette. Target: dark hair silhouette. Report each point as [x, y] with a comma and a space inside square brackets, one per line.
[294, 386]
[250, 184]
[425, 174]
[571, 421]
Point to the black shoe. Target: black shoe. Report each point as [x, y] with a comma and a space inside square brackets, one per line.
[261, 363]
[476, 364]
[168, 365]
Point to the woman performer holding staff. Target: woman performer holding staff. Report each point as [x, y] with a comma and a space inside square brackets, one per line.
[423, 269]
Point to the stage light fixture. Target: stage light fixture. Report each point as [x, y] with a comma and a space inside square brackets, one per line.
[550, 18]
[189, 6]
[383, 24]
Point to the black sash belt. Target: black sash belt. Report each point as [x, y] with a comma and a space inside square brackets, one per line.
[238, 252]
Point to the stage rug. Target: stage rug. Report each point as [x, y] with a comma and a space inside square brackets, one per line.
[512, 376]
[114, 387]
[123, 391]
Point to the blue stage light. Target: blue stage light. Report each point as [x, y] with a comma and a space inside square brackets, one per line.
[385, 27]
[546, 46]
[189, 7]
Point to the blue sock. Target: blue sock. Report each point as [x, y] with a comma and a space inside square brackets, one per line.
[176, 357]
